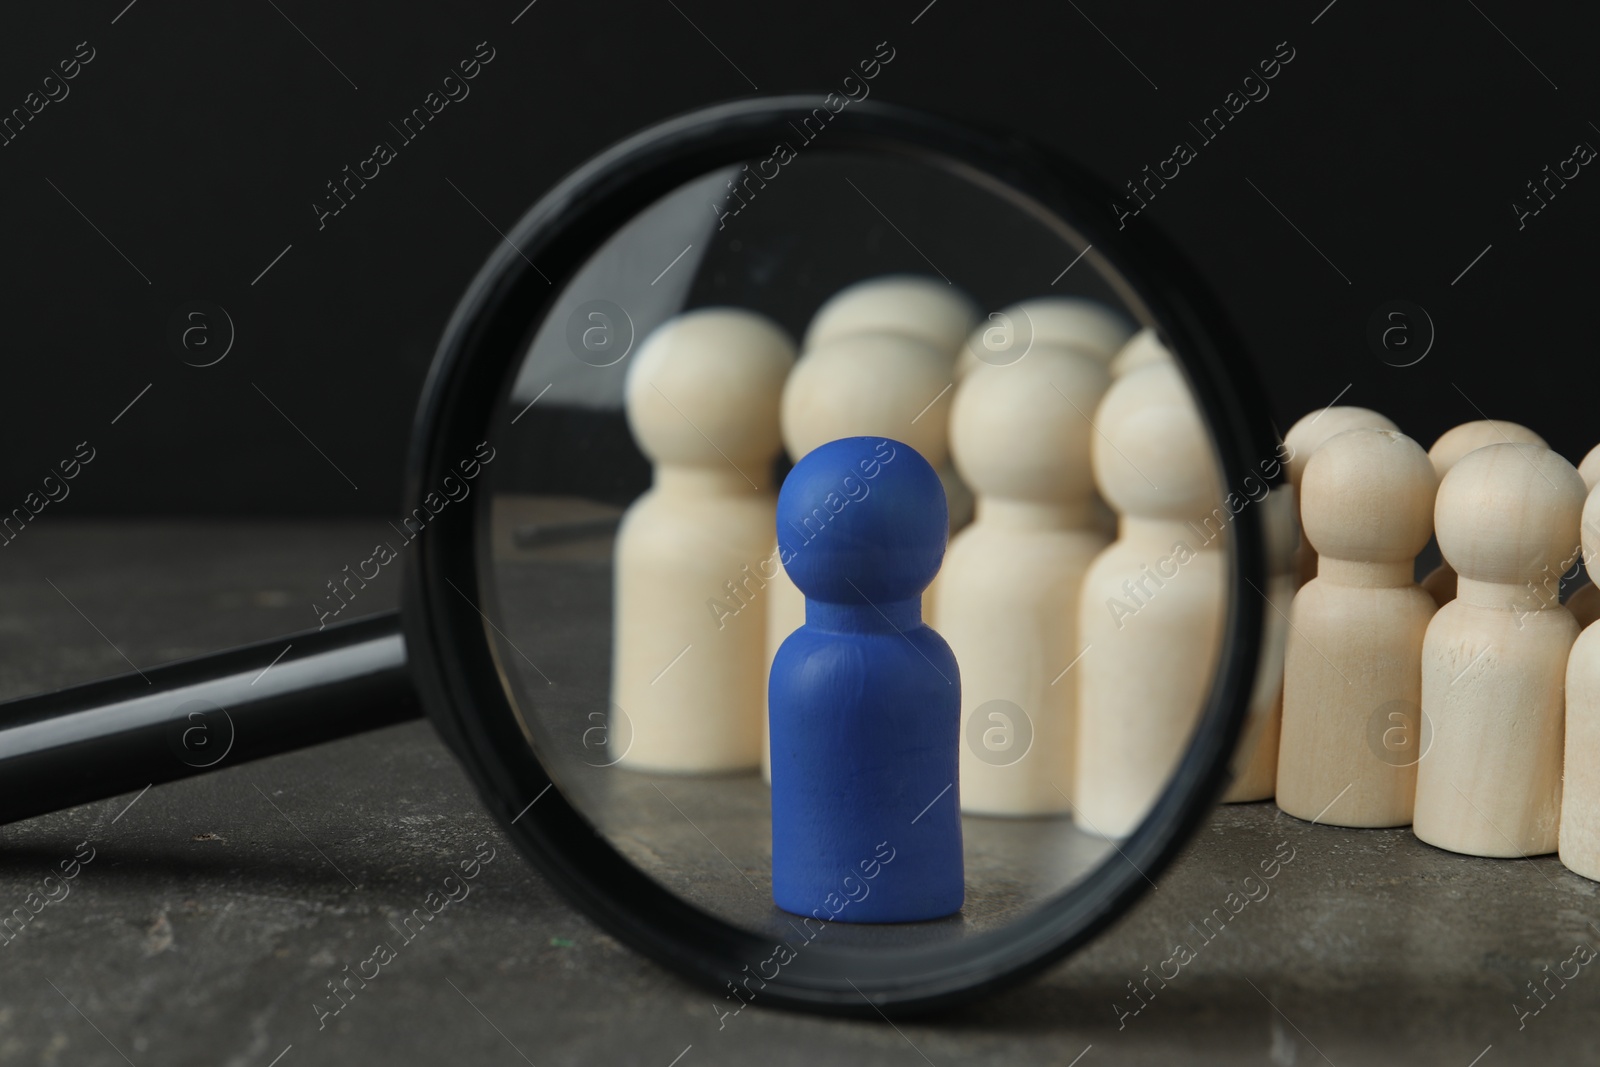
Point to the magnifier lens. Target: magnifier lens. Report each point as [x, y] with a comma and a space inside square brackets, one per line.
[894, 386]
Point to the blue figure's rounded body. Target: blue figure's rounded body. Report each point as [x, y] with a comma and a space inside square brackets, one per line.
[865, 700]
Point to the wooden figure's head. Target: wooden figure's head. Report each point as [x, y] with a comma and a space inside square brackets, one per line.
[1589, 469]
[1367, 496]
[1144, 349]
[1510, 514]
[1152, 455]
[1007, 336]
[1591, 533]
[1455, 443]
[1022, 432]
[927, 309]
[871, 383]
[704, 388]
[1308, 435]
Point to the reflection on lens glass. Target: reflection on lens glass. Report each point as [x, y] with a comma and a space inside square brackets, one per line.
[861, 558]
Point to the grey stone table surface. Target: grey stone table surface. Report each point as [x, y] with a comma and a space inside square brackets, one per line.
[214, 911]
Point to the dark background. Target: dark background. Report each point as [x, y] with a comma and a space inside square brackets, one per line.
[200, 135]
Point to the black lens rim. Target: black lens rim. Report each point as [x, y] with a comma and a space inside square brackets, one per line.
[446, 601]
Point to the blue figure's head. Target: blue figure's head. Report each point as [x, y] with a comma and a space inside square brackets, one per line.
[862, 517]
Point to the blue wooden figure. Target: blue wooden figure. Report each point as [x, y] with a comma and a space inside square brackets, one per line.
[864, 699]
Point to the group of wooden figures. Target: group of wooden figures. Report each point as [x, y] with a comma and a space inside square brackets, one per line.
[1084, 591]
[1477, 689]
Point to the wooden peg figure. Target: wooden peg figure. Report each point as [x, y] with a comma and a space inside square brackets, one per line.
[1585, 600]
[865, 699]
[1255, 760]
[1589, 469]
[926, 309]
[1445, 454]
[1580, 801]
[1143, 349]
[702, 401]
[1007, 595]
[1152, 606]
[1455, 443]
[1302, 442]
[923, 309]
[1495, 658]
[1078, 323]
[1352, 685]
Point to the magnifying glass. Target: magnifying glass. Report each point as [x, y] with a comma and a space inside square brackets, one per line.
[636, 409]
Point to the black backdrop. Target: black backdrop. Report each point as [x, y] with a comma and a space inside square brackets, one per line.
[183, 161]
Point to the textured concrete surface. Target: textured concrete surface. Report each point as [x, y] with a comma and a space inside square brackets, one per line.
[214, 911]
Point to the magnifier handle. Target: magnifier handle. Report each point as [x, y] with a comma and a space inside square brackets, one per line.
[119, 735]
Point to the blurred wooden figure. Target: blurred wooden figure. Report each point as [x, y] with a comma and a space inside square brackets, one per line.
[1085, 326]
[1446, 452]
[1153, 602]
[913, 306]
[1495, 658]
[689, 676]
[1352, 685]
[923, 308]
[1255, 761]
[1007, 595]
[1006, 336]
[1143, 349]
